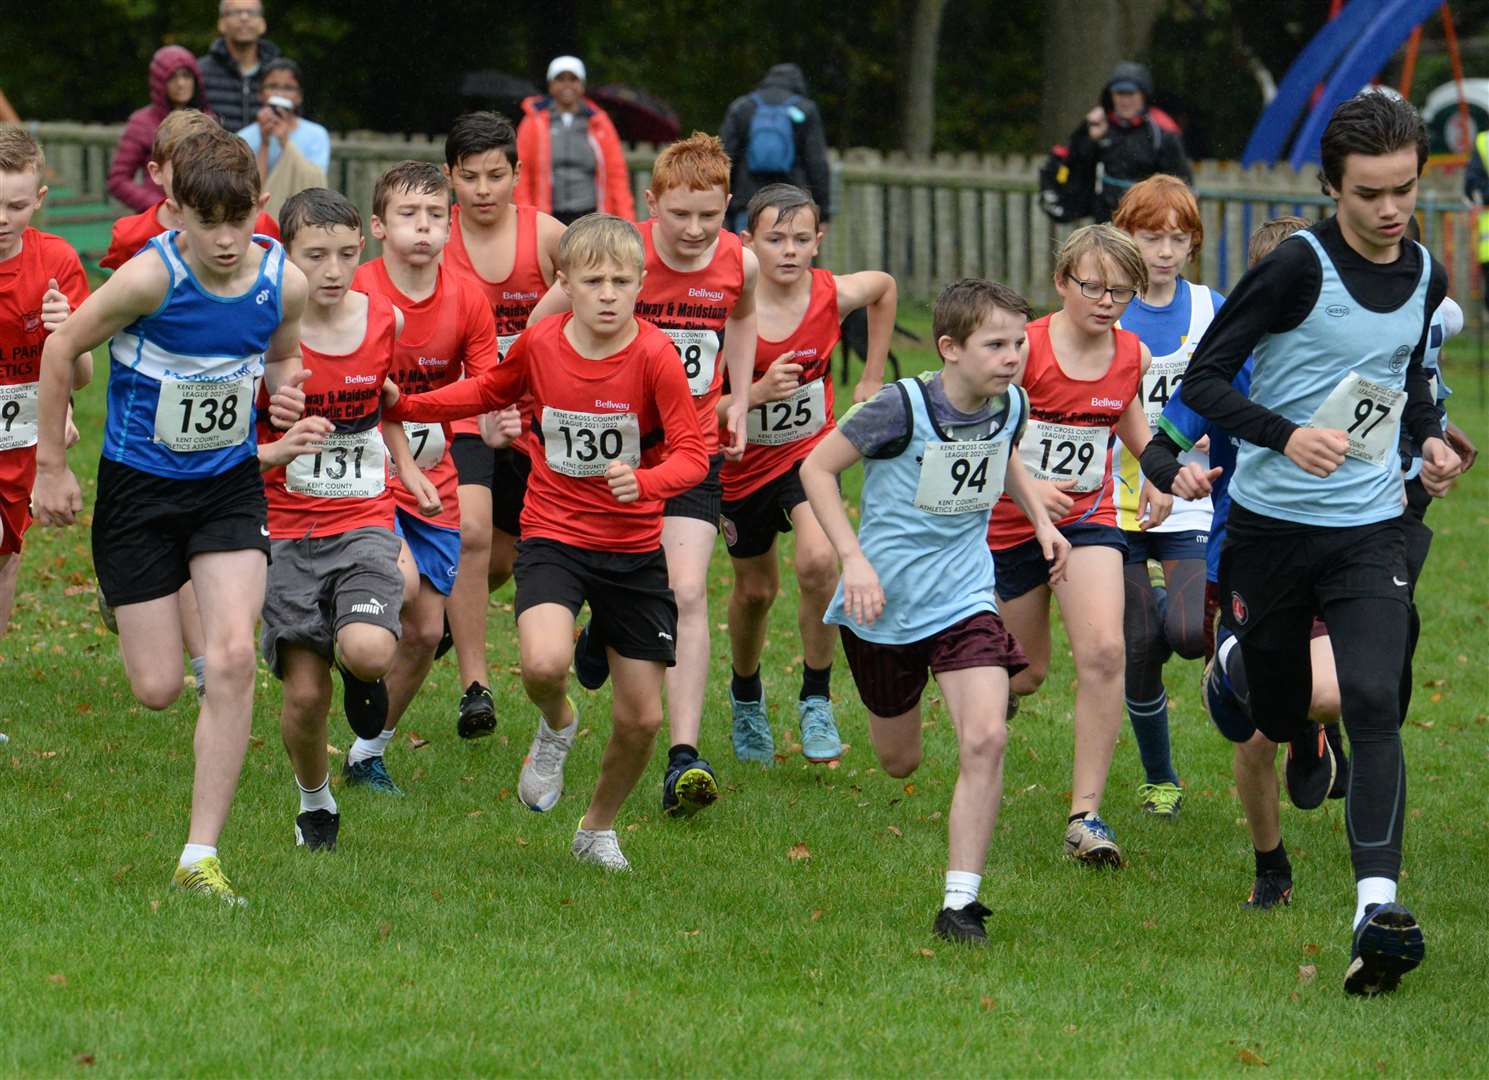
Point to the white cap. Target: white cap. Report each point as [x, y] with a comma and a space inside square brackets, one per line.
[571, 64]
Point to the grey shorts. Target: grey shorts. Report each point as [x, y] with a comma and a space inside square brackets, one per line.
[318, 585]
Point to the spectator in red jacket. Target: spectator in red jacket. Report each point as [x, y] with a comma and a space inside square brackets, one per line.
[175, 83]
[571, 157]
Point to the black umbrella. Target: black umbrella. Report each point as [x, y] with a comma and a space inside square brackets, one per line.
[490, 87]
[638, 116]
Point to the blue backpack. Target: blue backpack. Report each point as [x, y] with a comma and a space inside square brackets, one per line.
[772, 146]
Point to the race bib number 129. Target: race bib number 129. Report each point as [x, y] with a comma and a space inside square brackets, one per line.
[426, 442]
[1060, 452]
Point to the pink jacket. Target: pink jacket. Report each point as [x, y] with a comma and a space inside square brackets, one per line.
[125, 183]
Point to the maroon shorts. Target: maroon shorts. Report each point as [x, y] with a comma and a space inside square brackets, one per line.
[891, 678]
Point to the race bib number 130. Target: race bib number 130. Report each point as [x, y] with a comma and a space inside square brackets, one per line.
[587, 444]
[192, 416]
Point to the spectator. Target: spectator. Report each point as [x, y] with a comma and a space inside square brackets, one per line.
[754, 136]
[175, 83]
[1476, 188]
[293, 153]
[1130, 141]
[234, 65]
[572, 161]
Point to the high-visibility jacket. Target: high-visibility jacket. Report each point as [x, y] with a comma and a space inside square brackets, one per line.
[1481, 147]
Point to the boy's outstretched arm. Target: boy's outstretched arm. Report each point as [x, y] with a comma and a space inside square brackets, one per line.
[283, 372]
[877, 291]
[739, 356]
[863, 596]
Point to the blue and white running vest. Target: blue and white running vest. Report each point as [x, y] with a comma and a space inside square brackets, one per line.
[182, 379]
[1344, 367]
[925, 519]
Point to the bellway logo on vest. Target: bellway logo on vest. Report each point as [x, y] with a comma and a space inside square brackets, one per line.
[1108, 403]
[1337, 311]
[1399, 358]
[360, 380]
[519, 295]
[374, 606]
[606, 403]
[704, 294]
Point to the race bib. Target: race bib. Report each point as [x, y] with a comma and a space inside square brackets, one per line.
[792, 419]
[427, 442]
[196, 415]
[961, 477]
[1065, 452]
[699, 350]
[1161, 382]
[347, 466]
[1370, 414]
[18, 416]
[504, 343]
[586, 444]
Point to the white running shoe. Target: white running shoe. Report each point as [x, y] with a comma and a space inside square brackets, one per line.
[542, 779]
[599, 846]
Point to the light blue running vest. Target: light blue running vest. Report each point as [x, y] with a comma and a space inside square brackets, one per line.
[935, 568]
[1293, 374]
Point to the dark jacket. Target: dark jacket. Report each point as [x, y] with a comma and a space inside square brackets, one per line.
[1131, 150]
[125, 182]
[234, 97]
[811, 169]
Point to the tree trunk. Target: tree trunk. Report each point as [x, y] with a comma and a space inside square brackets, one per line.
[918, 111]
[1083, 41]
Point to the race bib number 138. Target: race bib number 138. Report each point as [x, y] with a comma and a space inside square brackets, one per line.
[192, 416]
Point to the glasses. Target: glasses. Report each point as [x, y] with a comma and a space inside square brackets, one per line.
[242, 13]
[1093, 290]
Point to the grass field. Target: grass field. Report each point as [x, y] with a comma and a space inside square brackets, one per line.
[785, 931]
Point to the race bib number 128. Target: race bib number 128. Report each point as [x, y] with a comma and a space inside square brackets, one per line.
[699, 350]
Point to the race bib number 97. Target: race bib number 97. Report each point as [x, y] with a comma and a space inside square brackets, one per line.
[192, 416]
[586, 444]
[1059, 452]
[426, 442]
[18, 416]
[699, 350]
[790, 420]
[1370, 414]
[961, 477]
[350, 466]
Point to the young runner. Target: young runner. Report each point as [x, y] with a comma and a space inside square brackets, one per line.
[447, 332]
[1083, 376]
[700, 291]
[617, 434]
[335, 584]
[1337, 319]
[917, 586]
[799, 313]
[510, 253]
[195, 319]
[1169, 317]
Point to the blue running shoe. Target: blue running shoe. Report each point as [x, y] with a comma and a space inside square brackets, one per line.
[1388, 943]
[752, 738]
[591, 664]
[1091, 841]
[1221, 704]
[819, 735]
[371, 773]
[689, 787]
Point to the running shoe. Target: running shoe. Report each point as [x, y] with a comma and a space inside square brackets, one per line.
[598, 846]
[477, 713]
[446, 640]
[541, 781]
[205, 878]
[370, 773]
[1311, 768]
[1161, 800]
[752, 738]
[1341, 777]
[1220, 702]
[1091, 841]
[591, 664]
[962, 924]
[106, 613]
[1270, 889]
[315, 830]
[1387, 944]
[819, 735]
[366, 703]
[689, 787]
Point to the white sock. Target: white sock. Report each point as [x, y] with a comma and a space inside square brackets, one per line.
[961, 888]
[363, 749]
[318, 799]
[192, 854]
[1372, 890]
[199, 671]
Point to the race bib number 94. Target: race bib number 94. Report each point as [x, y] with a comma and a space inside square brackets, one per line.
[350, 466]
[961, 477]
[792, 419]
[426, 442]
[586, 444]
[1059, 452]
[18, 416]
[1370, 414]
[192, 416]
[699, 350]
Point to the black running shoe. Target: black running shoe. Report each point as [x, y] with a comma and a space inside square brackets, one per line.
[1341, 775]
[689, 787]
[1388, 943]
[962, 924]
[1270, 889]
[315, 830]
[477, 713]
[446, 641]
[590, 662]
[1311, 768]
[366, 704]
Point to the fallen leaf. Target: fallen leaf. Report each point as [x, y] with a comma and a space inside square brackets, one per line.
[1306, 972]
[439, 897]
[581, 733]
[154, 906]
[332, 750]
[58, 979]
[895, 829]
[384, 928]
[118, 874]
[798, 852]
[84, 708]
[692, 933]
[566, 902]
[1310, 949]
[987, 1003]
[816, 914]
[475, 813]
[521, 842]
[632, 827]
[926, 953]
[78, 590]
[1071, 1029]
[909, 789]
[84, 1060]
[1435, 698]
[1250, 1057]
[415, 742]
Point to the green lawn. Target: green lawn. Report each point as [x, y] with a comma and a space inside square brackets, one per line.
[785, 931]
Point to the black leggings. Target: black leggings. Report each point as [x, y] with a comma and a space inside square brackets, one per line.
[1152, 639]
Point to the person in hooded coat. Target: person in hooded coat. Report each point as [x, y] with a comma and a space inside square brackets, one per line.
[175, 83]
[1128, 139]
[782, 84]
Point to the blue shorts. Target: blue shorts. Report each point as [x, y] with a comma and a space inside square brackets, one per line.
[1022, 568]
[436, 549]
[1165, 546]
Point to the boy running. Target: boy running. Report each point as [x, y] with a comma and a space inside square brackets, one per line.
[195, 319]
[616, 435]
[917, 585]
[447, 332]
[1337, 319]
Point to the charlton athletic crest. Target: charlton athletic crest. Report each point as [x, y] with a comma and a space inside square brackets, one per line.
[1238, 608]
[31, 321]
